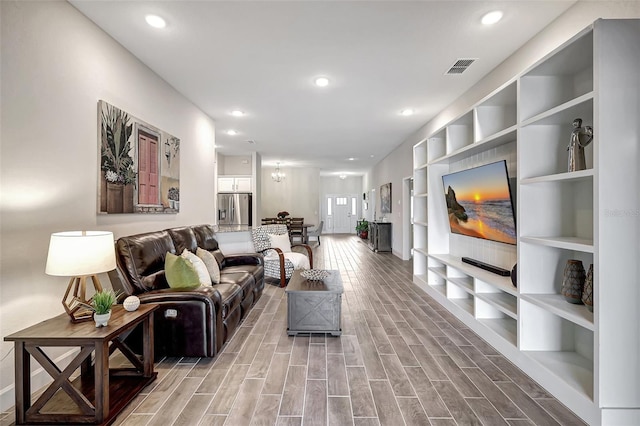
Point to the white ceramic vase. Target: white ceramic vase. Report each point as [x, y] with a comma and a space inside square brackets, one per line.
[102, 319]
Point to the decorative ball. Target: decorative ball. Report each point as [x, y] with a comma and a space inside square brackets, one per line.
[514, 275]
[131, 303]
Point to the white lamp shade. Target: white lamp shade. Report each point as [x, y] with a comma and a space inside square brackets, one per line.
[78, 253]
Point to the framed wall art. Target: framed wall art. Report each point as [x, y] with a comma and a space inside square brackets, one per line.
[385, 198]
[139, 165]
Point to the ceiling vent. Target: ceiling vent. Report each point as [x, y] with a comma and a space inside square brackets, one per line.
[460, 66]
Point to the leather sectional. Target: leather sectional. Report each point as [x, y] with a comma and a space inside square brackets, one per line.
[191, 322]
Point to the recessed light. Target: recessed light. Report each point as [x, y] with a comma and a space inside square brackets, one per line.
[406, 112]
[492, 17]
[372, 156]
[321, 81]
[232, 132]
[343, 177]
[155, 21]
[237, 113]
[351, 159]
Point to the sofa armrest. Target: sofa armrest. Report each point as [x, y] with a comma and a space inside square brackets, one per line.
[243, 259]
[203, 294]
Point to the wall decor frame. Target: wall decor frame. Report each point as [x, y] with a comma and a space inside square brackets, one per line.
[385, 198]
[139, 165]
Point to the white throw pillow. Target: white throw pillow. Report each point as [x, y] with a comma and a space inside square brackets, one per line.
[299, 260]
[198, 264]
[280, 241]
[211, 263]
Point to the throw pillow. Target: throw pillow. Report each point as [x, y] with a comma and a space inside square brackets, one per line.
[281, 241]
[198, 264]
[180, 272]
[211, 263]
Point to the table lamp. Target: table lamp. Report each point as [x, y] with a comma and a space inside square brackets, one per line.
[80, 254]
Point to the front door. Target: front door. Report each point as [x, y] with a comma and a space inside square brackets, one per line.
[340, 213]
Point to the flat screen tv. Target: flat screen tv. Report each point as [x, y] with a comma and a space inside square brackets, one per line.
[479, 203]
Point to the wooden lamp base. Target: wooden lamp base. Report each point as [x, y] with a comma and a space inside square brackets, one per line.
[76, 295]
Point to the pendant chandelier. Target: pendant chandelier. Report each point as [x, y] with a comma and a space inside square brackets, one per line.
[278, 176]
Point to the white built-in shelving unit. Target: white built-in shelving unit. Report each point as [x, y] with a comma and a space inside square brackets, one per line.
[589, 360]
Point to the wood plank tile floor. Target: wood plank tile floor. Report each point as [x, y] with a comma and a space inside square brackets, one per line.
[402, 360]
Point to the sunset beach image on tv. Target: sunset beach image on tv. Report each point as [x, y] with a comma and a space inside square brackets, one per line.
[479, 203]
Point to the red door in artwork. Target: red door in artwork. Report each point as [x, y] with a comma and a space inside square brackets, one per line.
[147, 168]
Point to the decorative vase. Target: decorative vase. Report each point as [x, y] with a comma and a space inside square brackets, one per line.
[103, 193]
[514, 275]
[114, 197]
[102, 320]
[127, 198]
[573, 281]
[587, 292]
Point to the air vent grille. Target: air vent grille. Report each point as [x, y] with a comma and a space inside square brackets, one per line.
[460, 66]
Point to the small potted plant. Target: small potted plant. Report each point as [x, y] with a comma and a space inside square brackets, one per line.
[174, 197]
[362, 228]
[100, 304]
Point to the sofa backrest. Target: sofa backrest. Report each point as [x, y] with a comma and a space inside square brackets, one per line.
[183, 238]
[140, 260]
[206, 239]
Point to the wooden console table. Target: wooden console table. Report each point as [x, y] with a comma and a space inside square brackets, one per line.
[98, 394]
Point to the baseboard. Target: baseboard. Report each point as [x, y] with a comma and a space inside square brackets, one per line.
[39, 379]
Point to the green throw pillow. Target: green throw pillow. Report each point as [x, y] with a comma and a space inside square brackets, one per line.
[180, 272]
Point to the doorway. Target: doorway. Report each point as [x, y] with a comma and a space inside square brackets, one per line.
[340, 213]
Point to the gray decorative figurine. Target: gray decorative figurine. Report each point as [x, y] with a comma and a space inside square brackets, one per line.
[580, 138]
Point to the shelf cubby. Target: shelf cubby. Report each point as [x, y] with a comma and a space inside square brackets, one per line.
[505, 327]
[460, 133]
[544, 139]
[437, 145]
[420, 181]
[562, 346]
[557, 209]
[420, 158]
[496, 114]
[565, 74]
[541, 268]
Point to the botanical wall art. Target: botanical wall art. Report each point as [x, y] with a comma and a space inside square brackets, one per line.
[139, 165]
[385, 198]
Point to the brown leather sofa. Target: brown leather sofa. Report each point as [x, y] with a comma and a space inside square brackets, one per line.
[191, 322]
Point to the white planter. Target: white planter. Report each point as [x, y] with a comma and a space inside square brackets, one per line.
[102, 319]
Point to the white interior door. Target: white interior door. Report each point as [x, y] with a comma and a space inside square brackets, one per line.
[340, 213]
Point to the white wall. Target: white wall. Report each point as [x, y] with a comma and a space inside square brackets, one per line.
[298, 193]
[393, 168]
[398, 164]
[56, 65]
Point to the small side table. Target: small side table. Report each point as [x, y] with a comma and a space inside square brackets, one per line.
[99, 393]
[314, 306]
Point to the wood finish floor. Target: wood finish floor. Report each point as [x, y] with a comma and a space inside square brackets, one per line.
[402, 359]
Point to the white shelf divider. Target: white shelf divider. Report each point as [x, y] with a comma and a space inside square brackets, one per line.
[555, 303]
[567, 243]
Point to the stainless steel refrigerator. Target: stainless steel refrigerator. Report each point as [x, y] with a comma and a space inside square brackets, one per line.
[234, 209]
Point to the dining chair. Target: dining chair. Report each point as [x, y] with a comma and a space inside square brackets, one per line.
[316, 231]
[296, 230]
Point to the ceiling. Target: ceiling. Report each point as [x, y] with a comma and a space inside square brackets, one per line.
[262, 57]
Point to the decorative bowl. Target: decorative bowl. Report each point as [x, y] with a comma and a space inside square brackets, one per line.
[314, 274]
